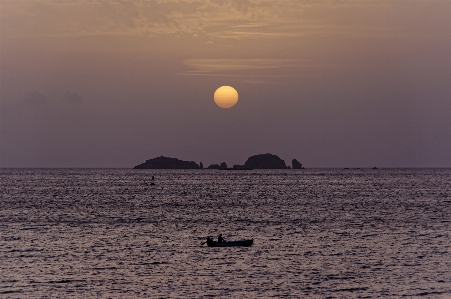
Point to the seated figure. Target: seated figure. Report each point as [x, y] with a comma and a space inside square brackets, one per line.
[220, 239]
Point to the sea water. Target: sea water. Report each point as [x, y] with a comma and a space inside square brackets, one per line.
[318, 233]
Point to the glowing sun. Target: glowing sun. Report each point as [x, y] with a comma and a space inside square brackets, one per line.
[226, 97]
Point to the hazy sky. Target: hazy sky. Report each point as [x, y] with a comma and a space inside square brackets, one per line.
[338, 83]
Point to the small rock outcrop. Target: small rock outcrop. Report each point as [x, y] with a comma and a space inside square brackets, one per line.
[296, 165]
[265, 161]
[216, 166]
[167, 163]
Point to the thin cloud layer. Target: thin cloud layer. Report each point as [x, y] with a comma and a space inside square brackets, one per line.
[251, 71]
[227, 19]
[202, 66]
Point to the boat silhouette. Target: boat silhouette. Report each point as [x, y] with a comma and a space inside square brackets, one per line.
[211, 243]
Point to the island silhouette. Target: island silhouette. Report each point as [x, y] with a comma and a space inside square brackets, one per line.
[261, 161]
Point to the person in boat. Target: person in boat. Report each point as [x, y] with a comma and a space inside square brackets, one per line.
[220, 239]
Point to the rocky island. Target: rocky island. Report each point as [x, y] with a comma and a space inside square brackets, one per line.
[265, 161]
[296, 165]
[167, 163]
[262, 161]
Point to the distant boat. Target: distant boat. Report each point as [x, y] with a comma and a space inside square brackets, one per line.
[152, 183]
[246, 243]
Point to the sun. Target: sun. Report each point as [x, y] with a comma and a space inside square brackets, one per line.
[226, 96]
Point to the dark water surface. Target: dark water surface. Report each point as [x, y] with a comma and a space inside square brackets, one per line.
[324, 233]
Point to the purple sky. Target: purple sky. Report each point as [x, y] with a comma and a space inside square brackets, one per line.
[89, 83]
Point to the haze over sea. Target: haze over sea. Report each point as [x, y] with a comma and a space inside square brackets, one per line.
[318, 233]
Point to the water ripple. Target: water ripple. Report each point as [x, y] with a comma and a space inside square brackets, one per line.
[325, 233]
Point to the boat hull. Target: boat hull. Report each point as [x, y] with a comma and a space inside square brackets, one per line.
[245, 243]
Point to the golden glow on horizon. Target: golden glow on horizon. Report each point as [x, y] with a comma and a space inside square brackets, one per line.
[226, 96]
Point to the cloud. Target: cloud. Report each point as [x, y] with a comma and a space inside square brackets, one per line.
[227, 19]
[219, 65]
[264, 70]
[250, 71]
[72, 98]
[208, 66]
[35, 98]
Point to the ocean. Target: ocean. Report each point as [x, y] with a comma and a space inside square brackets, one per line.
[318, 233]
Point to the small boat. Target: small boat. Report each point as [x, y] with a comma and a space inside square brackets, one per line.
[212, 243]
